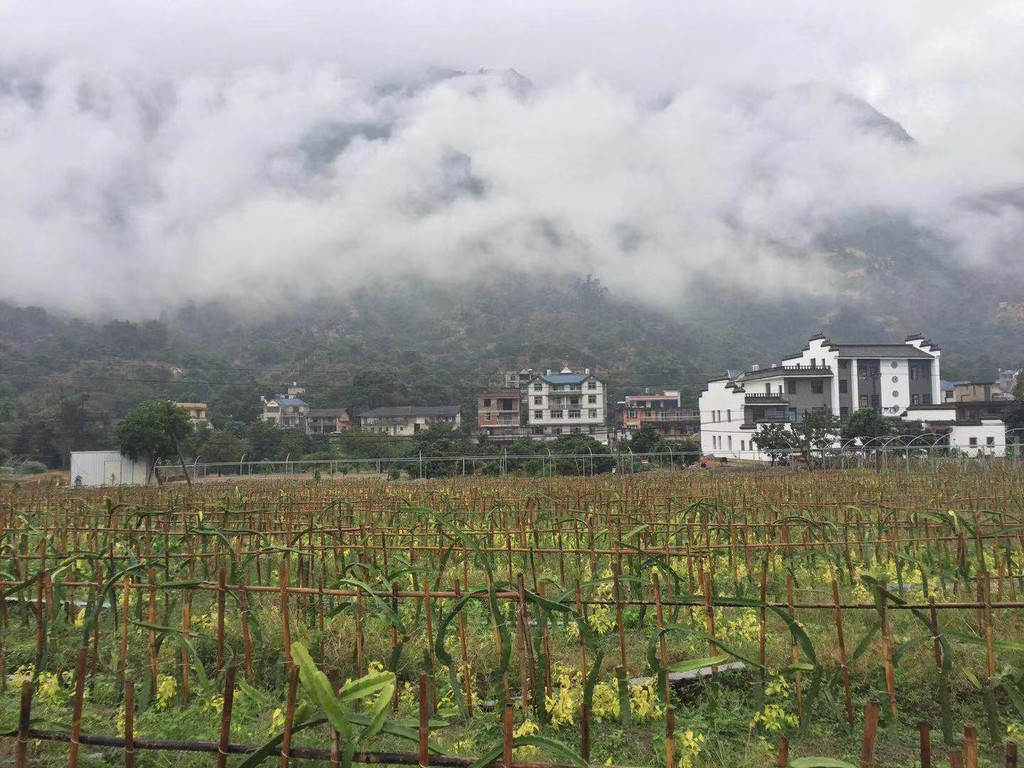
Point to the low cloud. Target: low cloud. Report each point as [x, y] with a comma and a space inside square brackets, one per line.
[134, 183]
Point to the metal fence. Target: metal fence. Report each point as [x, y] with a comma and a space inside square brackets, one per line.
[869, 456]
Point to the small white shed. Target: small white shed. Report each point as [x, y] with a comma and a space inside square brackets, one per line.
[96, 468]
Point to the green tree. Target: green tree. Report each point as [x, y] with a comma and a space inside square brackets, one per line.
[153, 431]
[816, 432]
[587, 455]
[775, 440]
[866, 423]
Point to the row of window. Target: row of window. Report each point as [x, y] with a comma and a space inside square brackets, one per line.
[572, 414]
[990, 441]
[717, 415]
[591, 400]
[539, 387]
[716, 442]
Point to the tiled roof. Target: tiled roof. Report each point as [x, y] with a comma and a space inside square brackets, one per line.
[881, 350]
[412, 410]
[327, 413]
[289, 401]
[566, 378]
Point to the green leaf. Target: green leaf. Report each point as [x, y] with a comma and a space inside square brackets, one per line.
[819, 762]
[319, 687]
[380, 714]
[273, 746]
[691, 664]
[364, 686]
[556, 748]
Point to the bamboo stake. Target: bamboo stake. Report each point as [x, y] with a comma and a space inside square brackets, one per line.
[24, 721]
[129, 724]
[225, 717]
[289, 716]
[867, 747]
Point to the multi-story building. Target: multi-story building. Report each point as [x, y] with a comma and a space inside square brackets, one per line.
[517, 379]
[407, 420]
[890, 378]
[328, 421]
[1005, 383]
[662, 412]
[498, 414]
[286, 411]
[566, 403]
[197, 412]
[969, 391]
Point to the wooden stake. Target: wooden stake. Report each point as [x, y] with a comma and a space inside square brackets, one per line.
[76, 707]
[225, 718]
[970, 746]
[506, 735]
[867, 746]
[782, 760]
[129, 724]
[424, 727]
[24, 720]
[289, 716]
[924, 729]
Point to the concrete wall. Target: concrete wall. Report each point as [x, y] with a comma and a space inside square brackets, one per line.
[989, 438]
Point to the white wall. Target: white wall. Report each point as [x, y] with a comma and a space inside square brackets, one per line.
[898, 369]
[721, 414]
[96, 468]
[960, 438]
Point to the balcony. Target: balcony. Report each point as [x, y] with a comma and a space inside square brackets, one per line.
[786, 370]
[769, 399]
[669, 414]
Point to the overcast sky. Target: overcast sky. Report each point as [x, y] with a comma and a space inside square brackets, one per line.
[152, 153]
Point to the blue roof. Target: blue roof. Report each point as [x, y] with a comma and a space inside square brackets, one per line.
[289, 401]
[566, 378]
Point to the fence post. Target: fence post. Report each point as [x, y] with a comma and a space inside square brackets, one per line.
[1011, 754]
[289, 716]
[225, 717]
[24, 718]
[129, 724]
[783, 757]
[867, 747]
[424, 726]
[76, 707]
[924, 729]
[506, 736]
[970, 746]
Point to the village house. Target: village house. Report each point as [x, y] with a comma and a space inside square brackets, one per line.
[566, 403]
[896, 380]
[285, 411]
[662, 412]
[197, 412]
[328, 421]
[498, 415]
[407, 420]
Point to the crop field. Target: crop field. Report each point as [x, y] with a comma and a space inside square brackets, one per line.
[678, 619]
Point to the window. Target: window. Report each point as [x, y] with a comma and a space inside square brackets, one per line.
[974, 442]
[926, 399]
[487, 402]
[538, 414]
[844, 386]
[743, 445]
[791, 386]
[895, 393]
[591, 385]
[632, 413]
[863, 401]
[574, 401]
[862, 373]
[538, 401]
[487, 416]
[538, 387]
[593, 413]
[817, 386]
[556, 430]
[730, 442]
[895, 364]
[844, 412]
[591, 399]
[728, 415]
[844, 364]
[574, 414]
[915, 399]
[990, 441]
[556, 414]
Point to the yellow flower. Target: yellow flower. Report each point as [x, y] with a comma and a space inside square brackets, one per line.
[528, 728]
[166, 687]
[689, 746]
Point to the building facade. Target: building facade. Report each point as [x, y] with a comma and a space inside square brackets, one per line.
[890, 378]
[286, 411]
[407, 420]
[662, 412]
[328, 421]
[499, 414]
[566, 403]
[197, 412]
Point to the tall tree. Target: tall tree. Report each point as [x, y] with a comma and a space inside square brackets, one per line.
[816, 432]
[154, 430]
